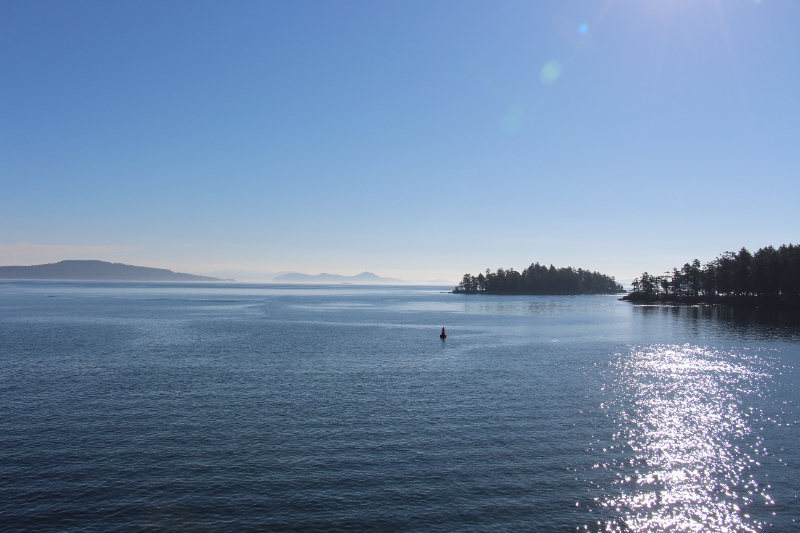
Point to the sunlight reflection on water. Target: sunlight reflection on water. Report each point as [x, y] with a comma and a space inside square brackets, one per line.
[680, 412]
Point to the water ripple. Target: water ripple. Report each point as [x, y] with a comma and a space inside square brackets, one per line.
[680, 412]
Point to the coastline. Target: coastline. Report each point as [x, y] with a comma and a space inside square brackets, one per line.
[742, 302]
[514, 293]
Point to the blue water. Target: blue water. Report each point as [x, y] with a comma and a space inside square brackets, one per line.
[192, 407]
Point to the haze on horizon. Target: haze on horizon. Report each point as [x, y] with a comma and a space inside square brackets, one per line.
[414, 140]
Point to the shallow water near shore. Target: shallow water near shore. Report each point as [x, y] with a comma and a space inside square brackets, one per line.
[233, 407]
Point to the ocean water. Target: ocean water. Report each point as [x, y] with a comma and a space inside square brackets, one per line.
[230, 407]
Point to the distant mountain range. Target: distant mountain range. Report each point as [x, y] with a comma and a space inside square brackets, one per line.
[90, 270]
[80, 270]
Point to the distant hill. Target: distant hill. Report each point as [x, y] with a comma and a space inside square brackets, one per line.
[363, 278]
[96, 271]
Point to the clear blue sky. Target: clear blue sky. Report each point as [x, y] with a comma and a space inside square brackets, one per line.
[416, 140]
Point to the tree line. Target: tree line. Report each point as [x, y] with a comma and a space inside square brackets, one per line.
[539, 279]
[770, 276]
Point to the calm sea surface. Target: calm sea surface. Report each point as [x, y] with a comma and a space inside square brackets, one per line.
[229, 407]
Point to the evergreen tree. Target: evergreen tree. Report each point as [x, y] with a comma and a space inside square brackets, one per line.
[768, 277]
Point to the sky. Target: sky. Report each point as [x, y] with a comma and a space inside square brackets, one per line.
[415, 140]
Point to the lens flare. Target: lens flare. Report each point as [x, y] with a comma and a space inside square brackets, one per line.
[513, 120]
[550, 72]
[583, 28]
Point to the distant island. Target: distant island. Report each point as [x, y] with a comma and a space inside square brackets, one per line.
[539, 280]
[84, 270]
[770, 278]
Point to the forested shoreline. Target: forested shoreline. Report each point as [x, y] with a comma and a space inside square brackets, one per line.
[539, 280]
[768, 278]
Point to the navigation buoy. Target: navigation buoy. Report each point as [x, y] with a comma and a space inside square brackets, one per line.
[443, 335]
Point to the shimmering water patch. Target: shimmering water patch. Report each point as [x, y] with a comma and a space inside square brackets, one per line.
[682, 418]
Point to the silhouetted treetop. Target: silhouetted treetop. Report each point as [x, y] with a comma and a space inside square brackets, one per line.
[539, 279]
[770, 277]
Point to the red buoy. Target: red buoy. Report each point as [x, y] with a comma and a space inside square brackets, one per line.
[443, 335]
